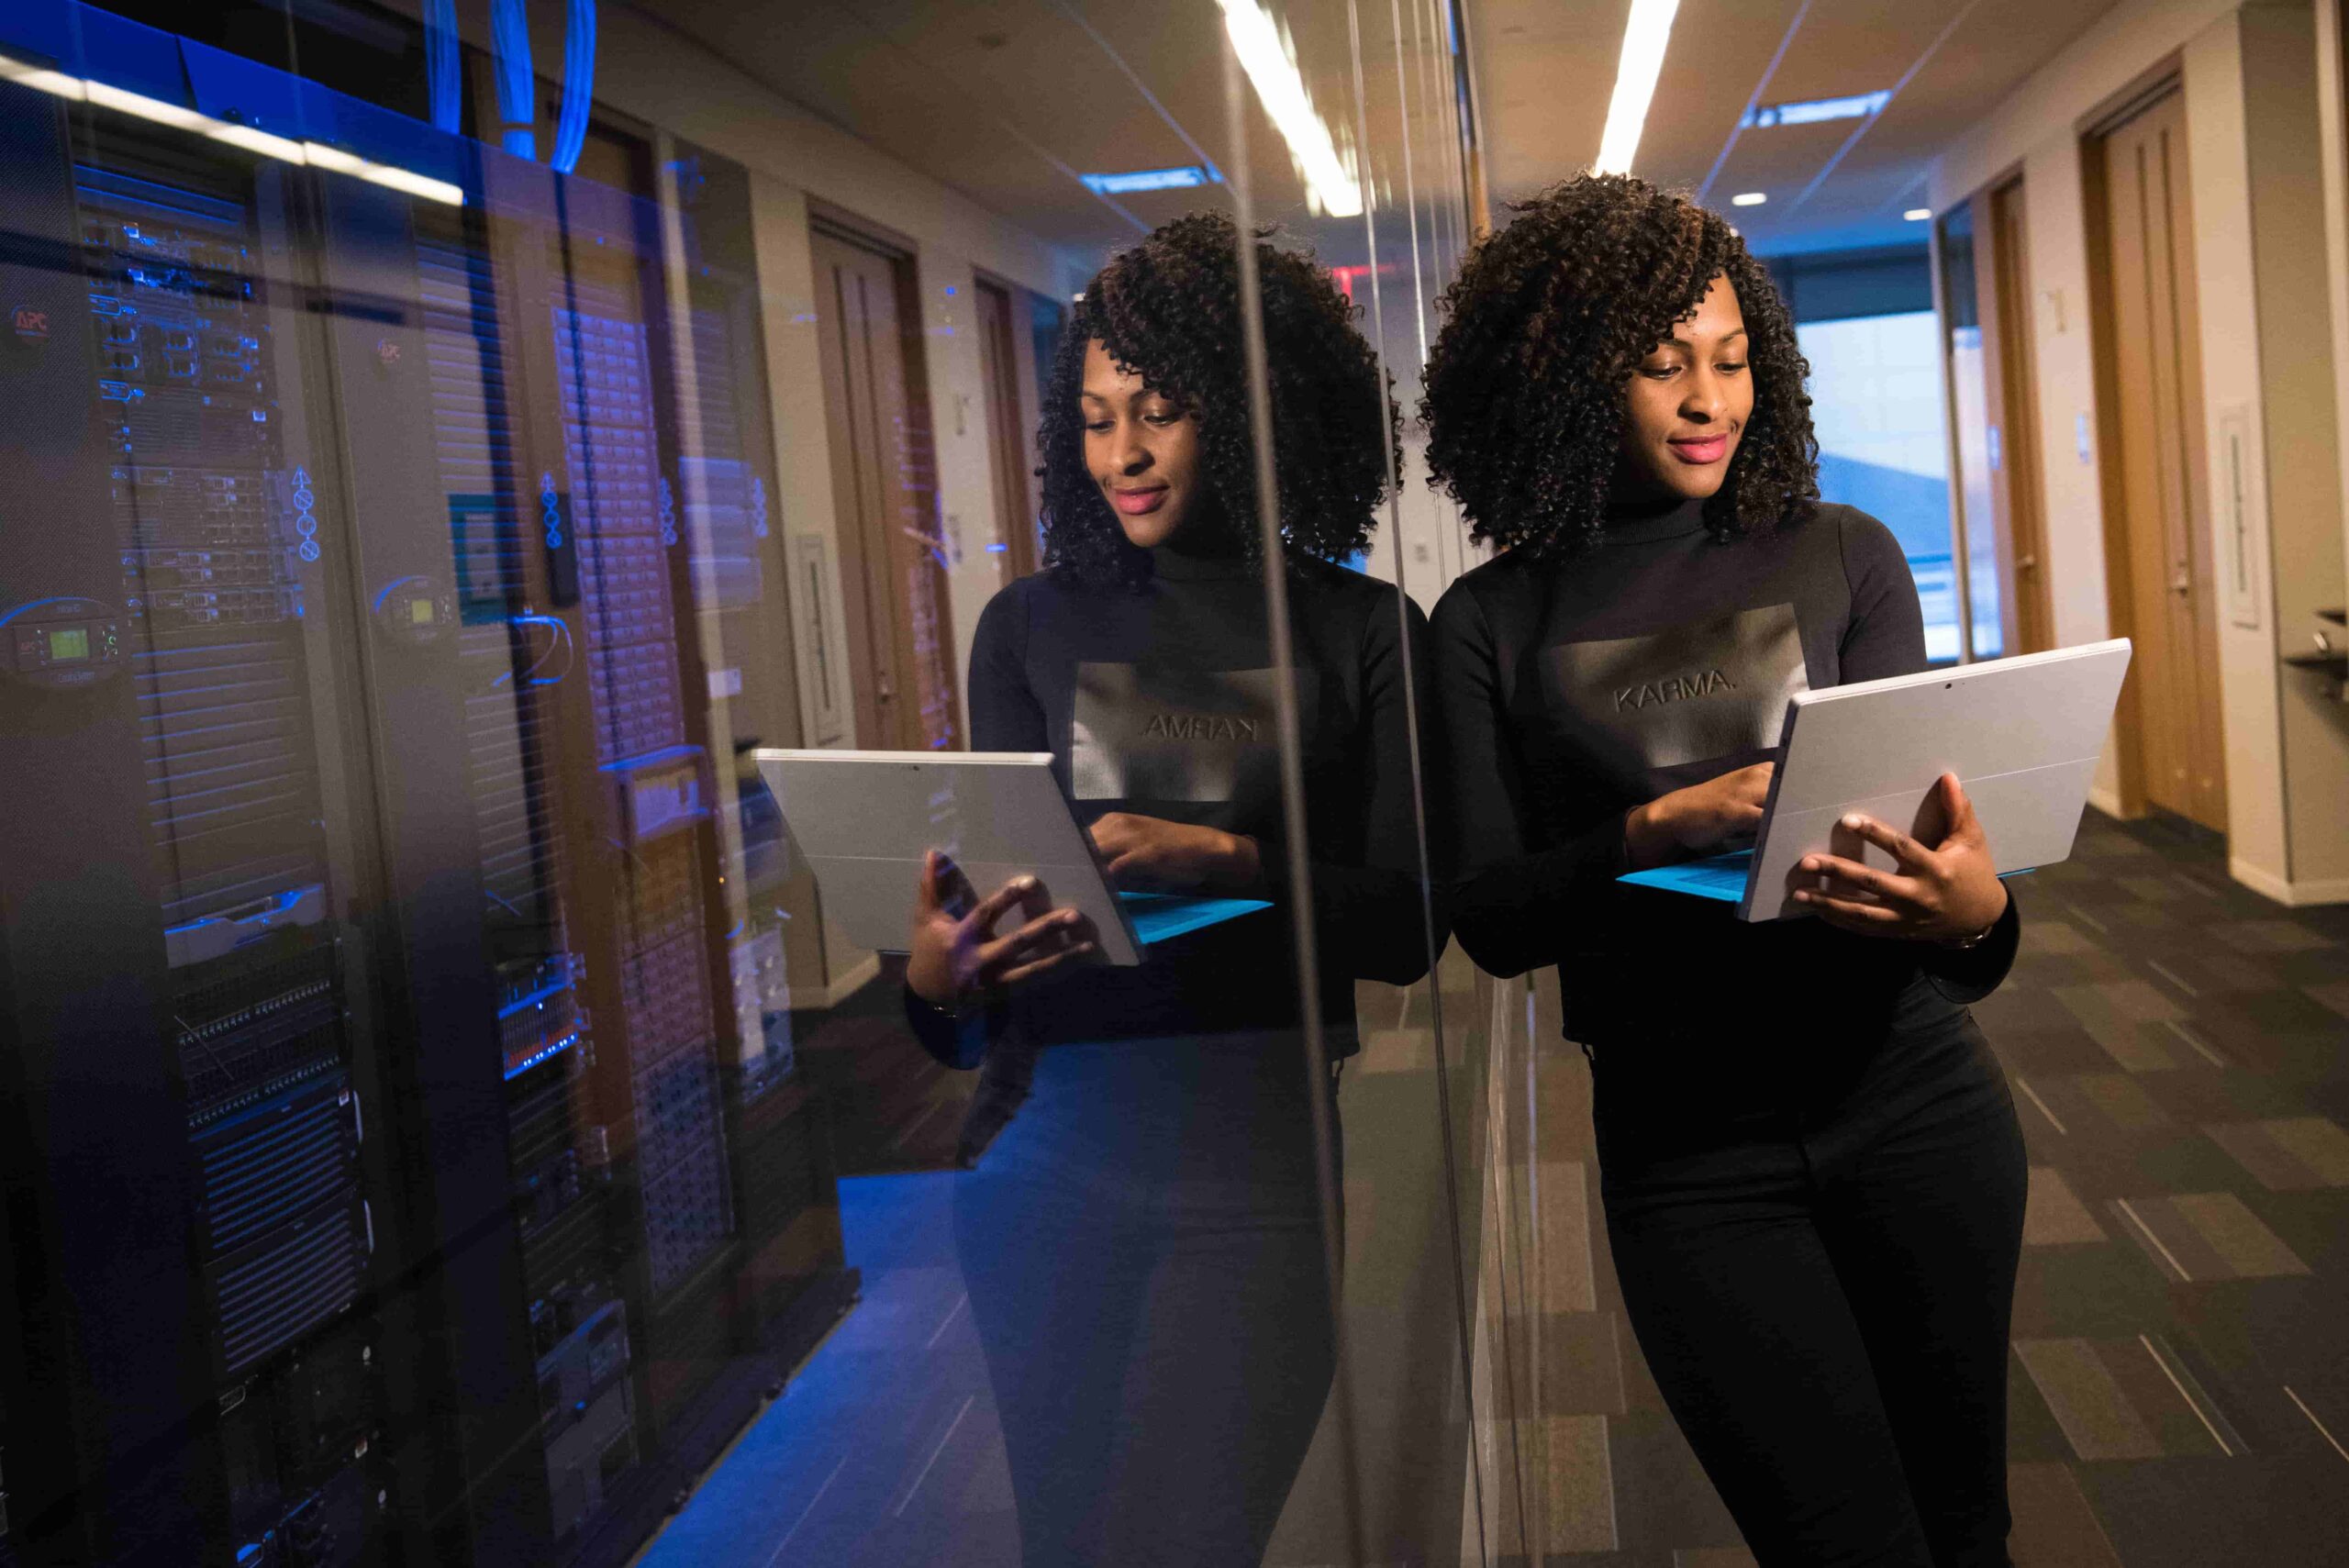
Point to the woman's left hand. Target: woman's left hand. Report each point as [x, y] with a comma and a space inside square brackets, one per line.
[1150, 854]
[1950, 893]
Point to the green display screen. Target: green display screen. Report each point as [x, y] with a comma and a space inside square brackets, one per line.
[69, 642]
[419, 612]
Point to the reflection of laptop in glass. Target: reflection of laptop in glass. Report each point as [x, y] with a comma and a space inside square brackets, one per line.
[2023, 734]
[863, 821]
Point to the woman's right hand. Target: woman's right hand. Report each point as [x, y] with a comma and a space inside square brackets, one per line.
[956, 954]
[1699, 819]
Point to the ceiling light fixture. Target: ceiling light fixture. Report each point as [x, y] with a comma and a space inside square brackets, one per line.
[1918, 213]
[1265, 54]
[1145, 180]
[1813, 111]
[146, 108]
[254, 139]
[40, 79]
[311, 153]
[1749, 198]
[1645, 36]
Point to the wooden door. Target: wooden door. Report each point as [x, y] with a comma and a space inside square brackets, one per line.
[901, 639]
[2163, 588]
[2025, 614]
[1008, 447]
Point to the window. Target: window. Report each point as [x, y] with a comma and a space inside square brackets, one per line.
[1876, 401]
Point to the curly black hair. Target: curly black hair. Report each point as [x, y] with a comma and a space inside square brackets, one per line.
[1168, 310]
[1525, 389]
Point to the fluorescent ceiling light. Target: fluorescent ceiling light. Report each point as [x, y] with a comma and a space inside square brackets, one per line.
[313, 153]
[1264, 54]
[1645, 36]
[145, 109]
[1918, 213]
[1749, 198]
[318, 155]
[1144, 180]
[1812, 111]
[414, 183]
[260, 142]
[40, 79]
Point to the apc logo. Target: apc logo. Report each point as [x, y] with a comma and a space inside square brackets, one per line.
[29, 325]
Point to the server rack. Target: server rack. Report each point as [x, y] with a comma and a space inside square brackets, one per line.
[457, 1168]
[202, 1225]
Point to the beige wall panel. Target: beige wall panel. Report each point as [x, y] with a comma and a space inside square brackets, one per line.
[2071, 499]
[2257, 144]
[2304, 512]
[958, 416]
[2226, 280]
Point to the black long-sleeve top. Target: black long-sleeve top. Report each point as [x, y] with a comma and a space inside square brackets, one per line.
[1161, 702]
[1573, 692]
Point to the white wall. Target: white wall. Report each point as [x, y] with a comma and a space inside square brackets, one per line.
[2218, 151]
[2301, 540]
[2260, 252]
[966, 458]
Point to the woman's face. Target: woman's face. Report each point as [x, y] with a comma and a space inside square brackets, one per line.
[1141, 448]
[1688, 402]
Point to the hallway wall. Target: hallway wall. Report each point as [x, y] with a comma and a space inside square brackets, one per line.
[2252, 106]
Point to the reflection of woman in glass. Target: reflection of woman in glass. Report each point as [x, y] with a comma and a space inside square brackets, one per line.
[1812, 1172]
[1141, 1242]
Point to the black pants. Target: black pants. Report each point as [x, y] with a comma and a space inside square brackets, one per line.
[1824, 1296]
[1142, 1249]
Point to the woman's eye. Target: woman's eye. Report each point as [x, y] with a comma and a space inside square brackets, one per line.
[1658, 373]
[1163, 418]
[1732, 368]
[1097, 427]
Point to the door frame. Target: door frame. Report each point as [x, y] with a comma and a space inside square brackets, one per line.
[2026, 610]
[879, 724]
[2121, 587]
[1013, 398]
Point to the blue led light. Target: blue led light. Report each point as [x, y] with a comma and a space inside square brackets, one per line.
[536, 998]
[1813, 111]
[1145, 180]
[392, 587]
[547, 1054]
[758, 508]
[578, 87]
[551, 510]
[668, 512]
[306, 521]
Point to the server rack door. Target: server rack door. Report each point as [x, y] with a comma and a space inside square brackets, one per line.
[199, 671]
[404, 1156]
[584, 298]
[95, 1139]
[473, 1399]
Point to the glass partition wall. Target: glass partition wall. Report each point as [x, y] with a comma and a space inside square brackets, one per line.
[446, 1119]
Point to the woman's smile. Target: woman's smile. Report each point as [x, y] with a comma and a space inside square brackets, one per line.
[1140, 502]
[1699, 450]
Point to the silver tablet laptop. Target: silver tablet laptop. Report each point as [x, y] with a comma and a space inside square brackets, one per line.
[2023, 734]
[863, 819]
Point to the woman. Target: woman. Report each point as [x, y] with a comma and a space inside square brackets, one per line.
[1812, 1174]
[1143, 1244]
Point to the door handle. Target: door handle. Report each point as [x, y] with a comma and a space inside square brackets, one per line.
[2028, 563]
[2181, 584]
